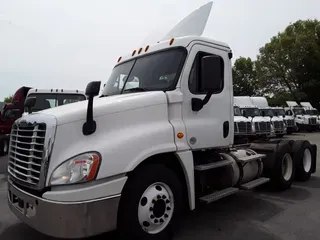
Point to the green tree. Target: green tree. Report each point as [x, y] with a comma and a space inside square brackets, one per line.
[244, 77]
[290, 62]
[8, 99]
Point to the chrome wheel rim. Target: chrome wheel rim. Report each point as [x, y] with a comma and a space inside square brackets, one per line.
[156, 208]
[307, 160]
[287, 166]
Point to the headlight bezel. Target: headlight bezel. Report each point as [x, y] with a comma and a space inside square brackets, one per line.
[90, 177]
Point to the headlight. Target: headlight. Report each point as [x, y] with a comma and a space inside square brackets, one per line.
[81, 168]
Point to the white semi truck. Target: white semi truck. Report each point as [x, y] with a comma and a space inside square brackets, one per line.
[243, 130]
[303, 120]
[261, 125]
[136, 159]
[278, 127]
[288, 120]
[311, 111]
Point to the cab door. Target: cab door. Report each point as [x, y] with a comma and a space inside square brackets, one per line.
[212, 126]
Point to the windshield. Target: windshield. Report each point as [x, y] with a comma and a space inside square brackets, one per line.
[279, 112]
[45, 101]
[267, 112]
[237, 111]
[312, 112]
[299, 111]
[251, 112]
[158, 71]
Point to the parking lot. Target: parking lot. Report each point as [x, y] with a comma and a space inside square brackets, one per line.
[293, 214]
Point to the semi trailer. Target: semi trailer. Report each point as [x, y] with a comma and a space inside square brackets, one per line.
[135, 159]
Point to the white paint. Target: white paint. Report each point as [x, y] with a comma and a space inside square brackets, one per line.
[81, 192]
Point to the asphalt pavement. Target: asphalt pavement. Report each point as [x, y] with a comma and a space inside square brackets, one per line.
[293, 214]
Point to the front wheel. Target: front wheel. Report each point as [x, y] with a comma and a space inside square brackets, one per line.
[151, 204]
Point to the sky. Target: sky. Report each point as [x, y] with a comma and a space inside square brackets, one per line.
[68, 43]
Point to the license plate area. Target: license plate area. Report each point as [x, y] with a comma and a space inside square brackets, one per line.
[25, 208]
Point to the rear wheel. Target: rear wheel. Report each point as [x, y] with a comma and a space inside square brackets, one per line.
[282, 175]
[302, 153]
[151, 204]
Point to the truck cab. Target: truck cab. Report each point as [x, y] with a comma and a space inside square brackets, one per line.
[49, 98]
[261, 125]
[277, 124]
[288, 119]
[313, 112]
[242, 126]
[303, 120]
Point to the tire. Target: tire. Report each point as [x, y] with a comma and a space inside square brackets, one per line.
[302, 155]
[283, 172]
[139, 216]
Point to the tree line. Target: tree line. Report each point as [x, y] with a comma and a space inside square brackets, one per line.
[286, 68]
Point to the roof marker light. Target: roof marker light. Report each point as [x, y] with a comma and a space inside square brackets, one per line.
[139, 50]
[146, 49]
[134, 52]
[171, 41]
[119, 59]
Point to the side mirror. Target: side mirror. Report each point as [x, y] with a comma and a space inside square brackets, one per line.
[276, 114]
[263, 114]
[211, 80]
[29, 103]
[284, 116]
[92, 90]
[211, 74]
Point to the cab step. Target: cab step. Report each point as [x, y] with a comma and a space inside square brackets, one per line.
[250, 158]
[219, 194]
[212, 165]
[254, 183]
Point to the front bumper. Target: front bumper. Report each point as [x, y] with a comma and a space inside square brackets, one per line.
[64, 219]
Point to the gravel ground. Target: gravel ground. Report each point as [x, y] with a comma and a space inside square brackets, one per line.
[293, 214]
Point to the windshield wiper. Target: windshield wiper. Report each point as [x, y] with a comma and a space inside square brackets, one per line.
[137, 89]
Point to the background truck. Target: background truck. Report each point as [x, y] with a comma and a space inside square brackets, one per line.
[9, 113]
[45, 98]
[311, 111]
[243, 130]
[288, 120]
[138, 158]
[261, 125]
[277, 123]
[303, 120]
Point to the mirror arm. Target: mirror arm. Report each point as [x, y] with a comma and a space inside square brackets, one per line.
[90, 125]
[197, 103]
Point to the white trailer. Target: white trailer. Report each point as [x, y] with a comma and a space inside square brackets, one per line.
[137, 159]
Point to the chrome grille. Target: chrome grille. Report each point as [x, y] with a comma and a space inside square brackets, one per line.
[312, 121]
[278, 125]
[290, 122]
[263, 127]
[242, 127]
[26, 153]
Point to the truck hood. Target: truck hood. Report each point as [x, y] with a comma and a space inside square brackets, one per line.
[106, 105]
[260, 119]
[241, 119]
